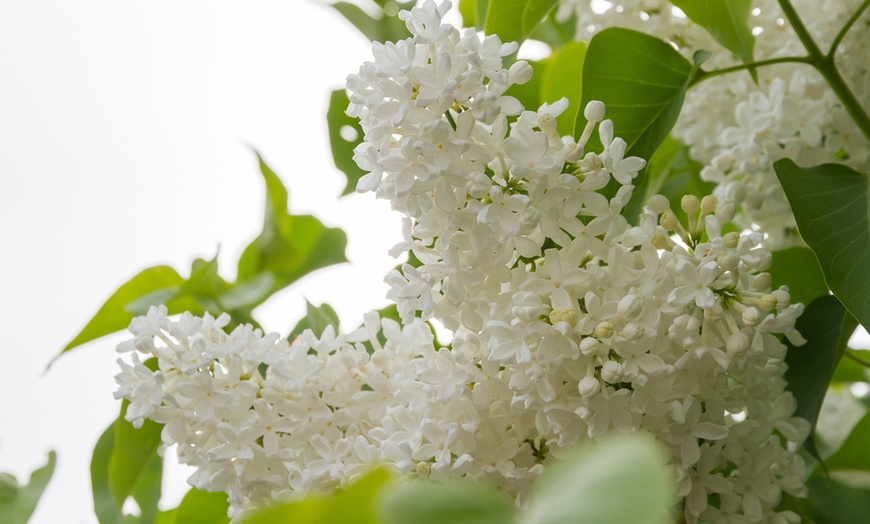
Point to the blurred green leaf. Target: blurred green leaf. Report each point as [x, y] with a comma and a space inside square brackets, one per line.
[555, 34]
[106, 509]
[831, 502]
[827, 328]
[672, 172]
[563, 77]
[356, 504]
[621, 479]
[798, 268]
[726, 21]
[850, 371]
[514, 20]
[316, 319]
[17, 503]
[830, 206]
[132, 470]
[157, 282]
[384, 29]
[642, 81]
[345, 133]
[473, 13]
[198, 507]
[853, 454]
[458, 501]
[290, 246]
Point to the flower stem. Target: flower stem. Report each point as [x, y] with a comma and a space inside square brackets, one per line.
[828, 69]
[845, 29]
[750, 65]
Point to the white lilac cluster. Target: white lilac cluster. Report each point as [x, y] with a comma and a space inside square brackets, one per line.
[568, 323]
[737, 128]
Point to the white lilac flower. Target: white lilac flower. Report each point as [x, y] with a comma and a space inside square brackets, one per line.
[737, 128]
[567, 323]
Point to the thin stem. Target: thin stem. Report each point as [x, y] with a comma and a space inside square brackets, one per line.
[845, 29]
[851, 354]
[750, 65]
[825, 65]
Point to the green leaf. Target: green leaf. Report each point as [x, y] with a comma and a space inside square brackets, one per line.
[131, 468]
[798, 268]
[827, 328]
[830, 206]
[383, 29]
[853, 454]
[726, 21]
[832, 502]
[672, 172]
[156, 283]
[290, 246]
[198, 507]
[642, 82]
[851, 371]
[17, 503]
[355, 504]
[106, 509]
[316, 319]
[458, 501]
[514, 20]
[563, 77]
[345, 133]
[621, 479]
[473, 13]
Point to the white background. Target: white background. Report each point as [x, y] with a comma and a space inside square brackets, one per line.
[126, 129]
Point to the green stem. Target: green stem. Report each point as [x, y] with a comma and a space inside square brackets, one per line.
[845, 29]
[825, 65]
[751, 65]
[851, 354]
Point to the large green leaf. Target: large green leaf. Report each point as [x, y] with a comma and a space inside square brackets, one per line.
[642, 81]
[853, 454]
[832, 502]
[386, 28]
[345, 134]
[827, 328]
[106, 509]
[830, 206]
[726, 20]
[798, 268]
[135, 468]
[621, 479]
[316, 319]
[457, 501]
[17, 503]
[198, 507]
[473, 13]
[158, 282]
[290, 246]
[514, 20]
[563, 77]
[355, 504]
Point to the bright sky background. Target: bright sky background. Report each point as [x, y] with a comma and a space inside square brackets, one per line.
[126, 129]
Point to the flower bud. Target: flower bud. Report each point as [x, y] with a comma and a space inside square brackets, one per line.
[520, 72]
[591, 346]
[752, 316]
[737, 344]
[669, 221]
[725, 212]
[761, 282]
[690, 204]
[611, 372]
[709, 204]
[731, 239]
[589, 386]
[603, 330]
[783, 298]
[767, 302]
[658, 204]
[632, 331]
[594, 111]
[630, 306]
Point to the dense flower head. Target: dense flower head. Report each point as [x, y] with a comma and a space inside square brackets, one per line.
[737, 128]
[568, 323]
